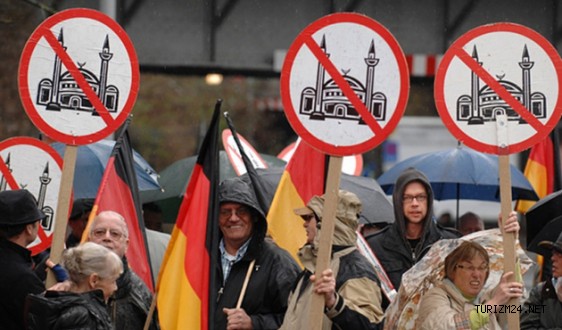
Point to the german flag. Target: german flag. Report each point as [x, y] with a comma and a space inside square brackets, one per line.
[540, 171]
[303, 178]
[184, 292]
[118, 192]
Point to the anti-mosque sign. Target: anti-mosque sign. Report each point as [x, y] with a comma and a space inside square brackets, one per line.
[78, 76]
[501, 68]
[344, 84]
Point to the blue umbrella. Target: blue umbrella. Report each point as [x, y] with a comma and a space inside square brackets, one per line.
[91, 161]
[461, 173]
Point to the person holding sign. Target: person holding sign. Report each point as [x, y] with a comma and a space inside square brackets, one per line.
[458, 303]
[400, 245]
[351, 290]
[247, 258]
[93, 271]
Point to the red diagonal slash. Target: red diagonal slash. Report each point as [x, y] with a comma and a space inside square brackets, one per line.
[342, 83]
[80, 80]
[499, 89]
[8, 176]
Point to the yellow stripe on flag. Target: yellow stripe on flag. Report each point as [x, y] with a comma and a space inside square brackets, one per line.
[183, 306]
[284, 226]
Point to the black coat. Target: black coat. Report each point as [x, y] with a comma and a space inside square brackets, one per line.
[57, 310]
[129, 305]
[17, 280]
[542, 310]
[274, 274]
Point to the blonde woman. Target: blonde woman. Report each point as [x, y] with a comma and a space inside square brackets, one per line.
[93, 271]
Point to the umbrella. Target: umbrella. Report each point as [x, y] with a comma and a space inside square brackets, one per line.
[175, 177]
[376, 206]
[544, 222]
[461, 173]
[91, 161]
[402, 312]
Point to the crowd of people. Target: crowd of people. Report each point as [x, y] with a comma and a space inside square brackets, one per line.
[259, 284]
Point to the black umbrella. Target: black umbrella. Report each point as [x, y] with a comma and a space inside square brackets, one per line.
[376, 206]
[544, 222]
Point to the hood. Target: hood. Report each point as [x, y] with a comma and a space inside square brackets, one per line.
[347, 217]
[236, 190]
[410, 175]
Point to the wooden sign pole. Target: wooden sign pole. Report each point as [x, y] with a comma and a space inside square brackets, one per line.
[506, 208]
[65, 191]
[325, 240]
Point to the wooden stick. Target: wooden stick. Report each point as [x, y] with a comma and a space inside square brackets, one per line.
[150, 313]
[325, 240]
[245, 285]
[505, 199]
[63, 206]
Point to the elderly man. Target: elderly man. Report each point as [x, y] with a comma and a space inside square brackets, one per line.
[129, 305]
[244, 250]
[19, 224]
[543, 308]
[352, 296]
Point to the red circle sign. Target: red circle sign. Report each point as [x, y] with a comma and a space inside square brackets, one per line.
[344, 84]
[27, 163]
[78, 76]
[500, 69]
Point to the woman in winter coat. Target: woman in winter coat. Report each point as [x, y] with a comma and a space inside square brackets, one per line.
[457, 302]
[93, 271]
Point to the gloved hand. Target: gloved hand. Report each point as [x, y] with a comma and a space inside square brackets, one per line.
[60, 273]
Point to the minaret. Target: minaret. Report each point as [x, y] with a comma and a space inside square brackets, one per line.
[317, 113]
[371, 62]
[526, 66]
[105, 56]
[54, 103]
[3, 181]
[45, 179]
[475, 118]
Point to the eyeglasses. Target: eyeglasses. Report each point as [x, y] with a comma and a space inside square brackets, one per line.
[481, 269]
[113, 233]
[409, 198]
[240, 212]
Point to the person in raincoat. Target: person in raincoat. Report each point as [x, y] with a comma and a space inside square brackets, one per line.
[400, 245]
[350, 287]
[243, 247]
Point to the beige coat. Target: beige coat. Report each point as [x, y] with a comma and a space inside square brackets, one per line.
[444, 307]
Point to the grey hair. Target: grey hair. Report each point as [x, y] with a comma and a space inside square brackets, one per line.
[112, 214]
[89, 258]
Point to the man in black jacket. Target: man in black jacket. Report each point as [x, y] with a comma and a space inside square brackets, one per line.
[400, 245]
[543, 308]
[244, 251]
[129, 305]
[19, 223]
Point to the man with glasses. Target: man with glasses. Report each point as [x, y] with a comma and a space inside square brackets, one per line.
[400, 245]
[244, 251]
[129, 305]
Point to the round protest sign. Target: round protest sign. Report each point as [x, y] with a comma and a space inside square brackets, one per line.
[78, 76]
[27, 163]
[499, 69]
[344, 84]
